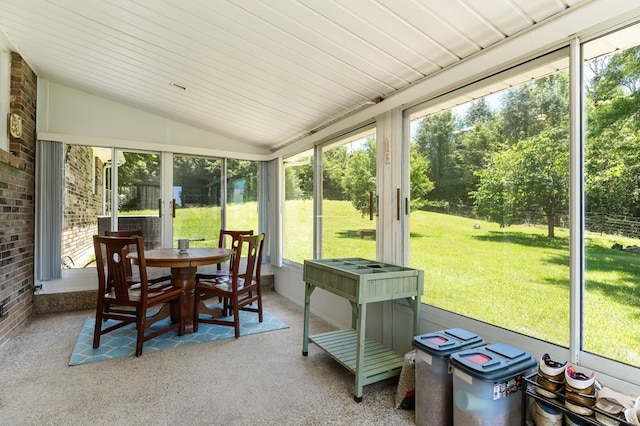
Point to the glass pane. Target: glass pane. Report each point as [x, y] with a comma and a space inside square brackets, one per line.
[612, 186]
[242, 195]
[489, 190]
[196, 193]
[85, 207]
[139, 194]
[348, 197]
[298, 207]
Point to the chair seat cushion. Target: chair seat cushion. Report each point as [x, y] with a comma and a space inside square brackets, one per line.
[135, 293]
[213, 274]
[223, 283]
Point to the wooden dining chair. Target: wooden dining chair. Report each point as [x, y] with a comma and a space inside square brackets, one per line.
[119, 302]
[240, 290]
[224, 269]
[153, 277]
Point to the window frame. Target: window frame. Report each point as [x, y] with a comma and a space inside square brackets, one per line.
[5, 95]
[318, 150]
[616, 371]
[77, 279]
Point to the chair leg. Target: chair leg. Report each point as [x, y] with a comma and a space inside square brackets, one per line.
[236, 320]
[140, 334]
[196, 310]
[97, 331]
[226, 307]
[181, 311]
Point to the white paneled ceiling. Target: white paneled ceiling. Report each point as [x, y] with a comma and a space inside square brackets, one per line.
[263, 72]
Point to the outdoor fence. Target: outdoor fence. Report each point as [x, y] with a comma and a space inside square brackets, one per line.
[603, 223]
[626, 226]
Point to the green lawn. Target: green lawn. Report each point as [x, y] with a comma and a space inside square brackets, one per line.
[518, 278]
[512, 277]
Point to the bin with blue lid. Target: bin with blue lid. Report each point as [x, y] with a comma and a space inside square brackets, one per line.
[433, 382]
[487, 384]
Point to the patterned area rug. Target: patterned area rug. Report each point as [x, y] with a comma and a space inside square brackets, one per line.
[122, 342]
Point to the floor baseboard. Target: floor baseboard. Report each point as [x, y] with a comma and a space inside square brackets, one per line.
[86, 299]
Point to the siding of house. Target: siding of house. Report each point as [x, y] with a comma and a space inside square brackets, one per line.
[17, 212]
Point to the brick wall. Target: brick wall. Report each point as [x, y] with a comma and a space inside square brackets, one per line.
[17, 213]
[82, 205]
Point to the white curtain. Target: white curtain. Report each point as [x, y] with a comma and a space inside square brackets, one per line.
[49, 199]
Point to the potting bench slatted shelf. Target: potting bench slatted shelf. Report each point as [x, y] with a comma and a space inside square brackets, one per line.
[379, 362]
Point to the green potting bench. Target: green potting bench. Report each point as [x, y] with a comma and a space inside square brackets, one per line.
[361, 281]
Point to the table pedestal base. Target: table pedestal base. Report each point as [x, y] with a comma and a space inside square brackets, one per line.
[185, 278]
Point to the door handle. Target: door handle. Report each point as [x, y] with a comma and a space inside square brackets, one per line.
[370, 205]
[159, 207]
[173, 207]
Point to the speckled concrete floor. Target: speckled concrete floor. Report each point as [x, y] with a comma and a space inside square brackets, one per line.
[256, 380]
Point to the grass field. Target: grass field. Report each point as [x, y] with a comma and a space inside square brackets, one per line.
[512, 277]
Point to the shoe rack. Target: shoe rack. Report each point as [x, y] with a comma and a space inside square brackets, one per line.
[558, 402]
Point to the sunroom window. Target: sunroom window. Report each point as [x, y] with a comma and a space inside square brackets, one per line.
[489, 200]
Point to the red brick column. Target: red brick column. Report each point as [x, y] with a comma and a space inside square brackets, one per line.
[17, 212]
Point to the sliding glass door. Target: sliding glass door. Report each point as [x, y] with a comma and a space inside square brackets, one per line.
[86, 190]
[138, 183]
[197, 199]
[90, 205]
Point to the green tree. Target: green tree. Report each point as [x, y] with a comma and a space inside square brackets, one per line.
[199, 180]
[479, 112]
[518, 114]
[421, 186]
[527, 173]
[139, 181]
[299, 179]
[242, 175]
[333, 173]
[139, 168]
[528, 109]
[527, 180]
[479, 139]
[612, 163]
[435, 138]
[360, 176]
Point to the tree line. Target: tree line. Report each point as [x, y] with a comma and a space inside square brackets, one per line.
[505, 157]
[198, 180]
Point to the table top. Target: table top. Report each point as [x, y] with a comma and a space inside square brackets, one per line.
[172, 257]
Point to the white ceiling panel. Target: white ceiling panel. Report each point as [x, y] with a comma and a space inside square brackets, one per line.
[260, 71]
[507, 15]
[540, 10]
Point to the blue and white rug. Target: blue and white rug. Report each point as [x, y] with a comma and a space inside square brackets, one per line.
[122, 342]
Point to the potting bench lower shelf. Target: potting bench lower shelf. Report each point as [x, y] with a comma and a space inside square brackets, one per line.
[379, 362]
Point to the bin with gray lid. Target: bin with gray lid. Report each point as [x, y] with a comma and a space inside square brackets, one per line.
[433, 380]
[487, 384]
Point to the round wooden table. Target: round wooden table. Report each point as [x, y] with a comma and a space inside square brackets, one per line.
[183, 272]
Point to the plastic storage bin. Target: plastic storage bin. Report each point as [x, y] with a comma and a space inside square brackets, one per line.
[434, 384]
[487, 385]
